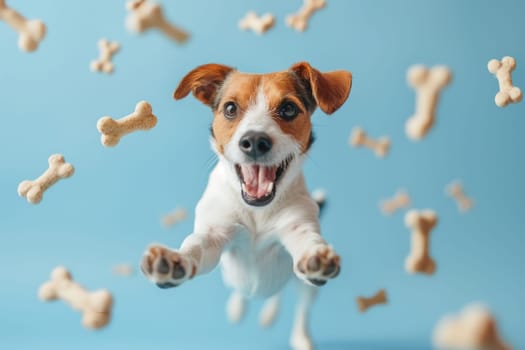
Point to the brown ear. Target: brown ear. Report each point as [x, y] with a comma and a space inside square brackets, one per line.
[203, 82]
[330, 90]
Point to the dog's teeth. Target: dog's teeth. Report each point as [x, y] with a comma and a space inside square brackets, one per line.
[243, 187]
[270, 188]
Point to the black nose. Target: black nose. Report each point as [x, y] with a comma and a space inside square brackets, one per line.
[255, 144]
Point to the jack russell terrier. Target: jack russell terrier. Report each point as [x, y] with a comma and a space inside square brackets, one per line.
[256, 216]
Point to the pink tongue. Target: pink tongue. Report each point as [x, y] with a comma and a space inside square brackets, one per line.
[258, 179]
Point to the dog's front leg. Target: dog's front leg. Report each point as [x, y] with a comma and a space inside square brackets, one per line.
[314, 260]
[199, 253]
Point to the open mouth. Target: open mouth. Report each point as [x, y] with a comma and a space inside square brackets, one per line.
[258, 181]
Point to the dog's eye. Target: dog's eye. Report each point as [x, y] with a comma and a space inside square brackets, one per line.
[230, 110]
[288, 111]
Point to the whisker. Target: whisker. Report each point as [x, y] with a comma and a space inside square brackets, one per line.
[311, 159]
[210, 162]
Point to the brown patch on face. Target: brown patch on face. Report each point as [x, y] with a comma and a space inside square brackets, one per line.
[283, 87]
[239, 88]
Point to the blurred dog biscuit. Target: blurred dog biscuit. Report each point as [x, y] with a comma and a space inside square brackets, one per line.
[428, 83]
[94, 306]
[508, 93]
[145, 14]
[421, 224]
[473, 329]
[259, 25]
[30, 32]
[380, 147]
[299, 20]
[107, 50]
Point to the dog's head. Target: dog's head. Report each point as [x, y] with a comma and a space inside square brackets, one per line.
[261, 124]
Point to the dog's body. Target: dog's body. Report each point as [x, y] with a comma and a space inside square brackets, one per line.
[256, 216]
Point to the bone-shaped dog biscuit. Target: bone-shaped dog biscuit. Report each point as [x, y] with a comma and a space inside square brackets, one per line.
[474, 329]
[123, 270]
[31, 32]
[455, 190]
[107, 50]
[112, 130]
[34, 190]
[257, 24]
[299, 20]
[503, 72]
[400, 200]
[145, 14]
[364, 303]
[176, 216]
[428, 83]
[421, 224]
[359, 139]
[95, 306]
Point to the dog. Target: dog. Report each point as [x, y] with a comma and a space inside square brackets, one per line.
[256, 217]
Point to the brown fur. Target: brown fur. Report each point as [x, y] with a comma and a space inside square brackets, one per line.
[279, 87]
[241, 89]
[214, 85]
[330, 89]
[203, 82]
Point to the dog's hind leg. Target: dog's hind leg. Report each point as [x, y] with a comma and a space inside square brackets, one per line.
[300, 338]
[269, 311]
[236, 307]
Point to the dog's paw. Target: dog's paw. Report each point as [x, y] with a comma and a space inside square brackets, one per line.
[165, 267]
[319, 265]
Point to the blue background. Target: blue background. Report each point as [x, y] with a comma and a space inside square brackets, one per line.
[110, 210]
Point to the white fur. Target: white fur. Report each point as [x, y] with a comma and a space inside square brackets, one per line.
[259, 118]
[269, 311]
[235, 307]
[258, 247]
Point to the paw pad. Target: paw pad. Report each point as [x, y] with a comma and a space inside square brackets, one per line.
[319, 266]
[166, 268]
